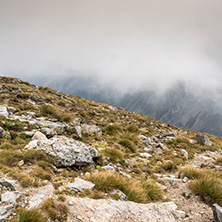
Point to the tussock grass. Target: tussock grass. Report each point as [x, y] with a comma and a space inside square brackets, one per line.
[113, 153]
[52, 111]
[55, 211]
[209, 188]
[134, 189]
[132, 128]
[32, 215]
[113, 129]
[205, 183]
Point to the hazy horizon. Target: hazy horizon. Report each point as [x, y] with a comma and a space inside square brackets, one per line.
[130, 44]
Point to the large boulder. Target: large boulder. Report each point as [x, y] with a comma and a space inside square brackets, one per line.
[39, 136]
[67, 151]
[203, 139]
[5, 211]
[48, 132]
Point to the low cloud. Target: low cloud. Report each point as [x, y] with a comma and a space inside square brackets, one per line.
[129, 44]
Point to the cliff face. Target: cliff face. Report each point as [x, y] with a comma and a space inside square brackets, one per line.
[57, 148]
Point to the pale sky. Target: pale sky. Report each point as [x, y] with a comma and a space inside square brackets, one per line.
[130, 43]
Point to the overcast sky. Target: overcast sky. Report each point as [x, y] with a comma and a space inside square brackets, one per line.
[131, 43]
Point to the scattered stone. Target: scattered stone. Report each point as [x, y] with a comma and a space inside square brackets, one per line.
[170, 134]
[179, 213]
[42, 194]
[185, 179]
[218, 168]
[80, 185]
[217, 211]
[39, 136]
[146, 140]
[185, 153]
[164, 188]
[67, 151]
[161, 146]
[124, 174]
[48, 132]
[146, 155]
[203, 139]
[149, 150]
[2, 132]
[31, 114]
[122, 196]
[11, 184]
[171, 206]
[11, 110]
[78, 131]
[21, 163]
[5, 211]
[110, 167]
[10, 197]
[4, 111]
[90, 129]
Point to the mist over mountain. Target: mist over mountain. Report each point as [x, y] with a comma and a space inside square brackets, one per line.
[179, 105]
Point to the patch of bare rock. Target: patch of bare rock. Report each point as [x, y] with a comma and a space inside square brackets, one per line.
[85, 209]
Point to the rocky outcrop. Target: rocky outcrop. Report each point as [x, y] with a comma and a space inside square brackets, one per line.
[203, 139]
[67, 151]
[86, 209]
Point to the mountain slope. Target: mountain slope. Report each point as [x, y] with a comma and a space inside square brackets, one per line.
[57, 148]
[177, 106]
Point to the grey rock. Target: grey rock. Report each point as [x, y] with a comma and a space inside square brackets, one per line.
[10, 197]
[122, 196]
[48, 132]
[30, 114]
[203, 139]
[42, 194]
[179, 213]
[80, 185]
[149, 150]
[185, 153]
[146, 140]
[217, 211]
[78, 131]
[67, 151]
[39, 136]
[161, 146]
[110, 167]
[11, 110]
[11, 184]
[90, 129]
[170, 206]
[145, 155]
[4, 111]
[2, 132]
[218, 168]
[5, 211]
[170, 134]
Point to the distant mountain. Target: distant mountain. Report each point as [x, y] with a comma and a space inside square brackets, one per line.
[177, 106]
